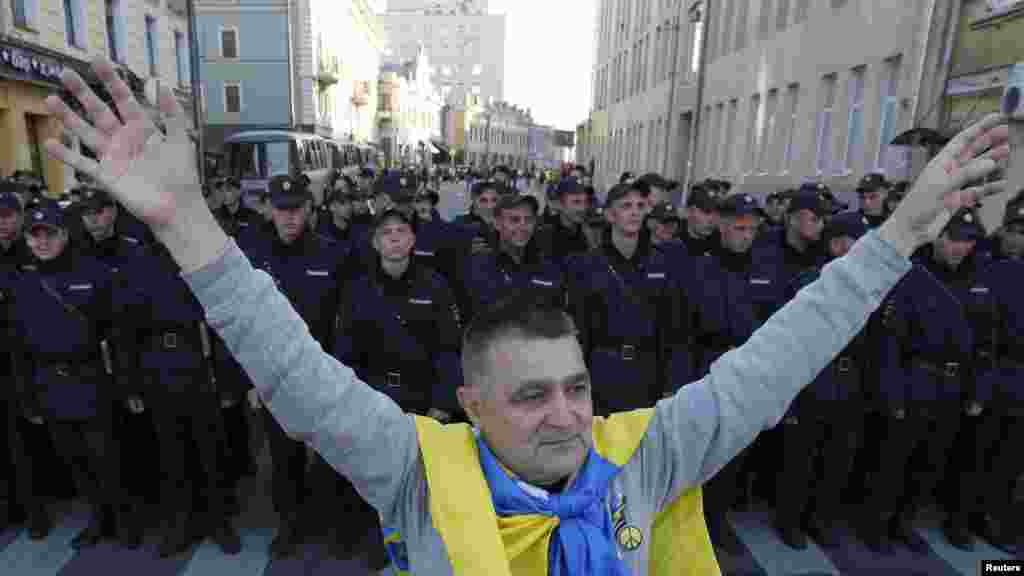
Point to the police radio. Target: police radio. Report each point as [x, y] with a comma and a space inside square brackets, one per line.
[993, 209]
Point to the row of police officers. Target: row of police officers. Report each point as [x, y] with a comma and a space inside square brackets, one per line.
[110, 354]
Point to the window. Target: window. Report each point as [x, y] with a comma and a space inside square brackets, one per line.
[768, 139]
[25, 13]
[792, 102]
[767, 18]
[232, 98]
[476, 89]
[801, 9]
[742, 20]
[116, 40]
[855, 131]
[74, 23]
[181, 55]
[151, 46]
[828, 101]
[698, 33]
[890, 160]
[753, 132]
[782, 20]
[730, 135]
[477, 69]
[229, 43]
[838, 3]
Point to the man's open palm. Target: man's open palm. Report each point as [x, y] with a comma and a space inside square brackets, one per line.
[150, 173]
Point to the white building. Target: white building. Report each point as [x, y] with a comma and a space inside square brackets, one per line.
[465, 44]
[409, 111]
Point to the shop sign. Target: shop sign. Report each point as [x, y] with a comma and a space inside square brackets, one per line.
[33, 66]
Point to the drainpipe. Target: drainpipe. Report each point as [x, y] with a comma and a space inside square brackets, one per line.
[701, 74]
[291, 69]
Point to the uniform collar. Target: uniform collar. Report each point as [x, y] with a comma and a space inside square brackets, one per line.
[63, 263]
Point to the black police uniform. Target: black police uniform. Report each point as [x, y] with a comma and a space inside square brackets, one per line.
[562, 241]
[936, 356]
[401, 336]
[308, 272]
[707, 200]
[165, 357]
[821, 430]
[870, 183]
[61, 314]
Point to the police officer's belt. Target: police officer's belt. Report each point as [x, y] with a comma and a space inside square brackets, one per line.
[943, 370]
[845, 366]
[68, 366]
[627, 348]
[391, 380]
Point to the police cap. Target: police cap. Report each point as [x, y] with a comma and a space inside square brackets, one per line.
[872, 182]
[430, 196]
[654, 180]
[620, 191]
[808, 197]
[739, 205]
[664, 213]
[46, 212]
[852, 224]
[95, 199]
[288, 192]
[964, 226]
[393, 215]
[510, 201]
[10, 201]
[571, 186]
[702, 197]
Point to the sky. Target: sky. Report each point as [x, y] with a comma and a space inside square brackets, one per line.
[548, 57]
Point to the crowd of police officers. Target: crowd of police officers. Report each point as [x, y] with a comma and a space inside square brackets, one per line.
[114, 377]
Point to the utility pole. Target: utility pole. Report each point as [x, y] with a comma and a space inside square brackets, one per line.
[699, 12]
[194, 79]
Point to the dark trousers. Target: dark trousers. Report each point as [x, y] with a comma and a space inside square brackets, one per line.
[724, 489]
[358, 523]
[989, 460]
[187, 420]
[817, 458]
[91, 453]
[140, 456]
[237, 459]
[20, 493]
[289, 469]
[912, 462]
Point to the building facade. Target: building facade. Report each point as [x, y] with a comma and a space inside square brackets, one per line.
[409, 111]
[307, 65]
[987, 45]
[466, 45]
[146, 39]
[644, 89]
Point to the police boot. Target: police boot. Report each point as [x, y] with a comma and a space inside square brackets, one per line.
[129, 527]
[39, 524]
[903, 529]
[791, 534]
[226, 537]
[287, 540]
[175, 538]
[92, 535]
[957, 533]
[822, 533]
[875, 533]
[995, 532]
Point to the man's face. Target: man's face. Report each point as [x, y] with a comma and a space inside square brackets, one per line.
[574, 207]
[425, 210]
[534, 409]
[360, 207]
[952, 252]
[1011, 238]
[10, 224]
[626, 214]
[290, 222]
[46, 242]
[701, 223]
[664, 230]
[232, 194]
[516, 225]
[808, 225]
[840, 246]
[381, 203]
[485, 203]
[872, 202]
[341, 208]
[99, 223]
[394, 240]
[738, 232]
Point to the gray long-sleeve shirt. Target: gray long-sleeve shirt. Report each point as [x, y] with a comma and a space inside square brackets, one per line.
[367, 438]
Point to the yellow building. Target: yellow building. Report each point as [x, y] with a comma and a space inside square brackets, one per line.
[988, 44]
[147, 39]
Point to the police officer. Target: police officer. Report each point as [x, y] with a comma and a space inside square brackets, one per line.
[821, 427]
[20, 497]
[895, 195]
[873, 190]
[733, 292]
[399, 330]
[517, 264]
[61, 318]
[664, 223]
[336, 223]
[166, 355]
[700, 235]
[435, 239]
[800, 241]
[997, 517]
[833, 205]
[935, 359]
[595, 225]
[661, 188]
[625, 301]
[234, 217]
[565, 237]
[307, 268]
